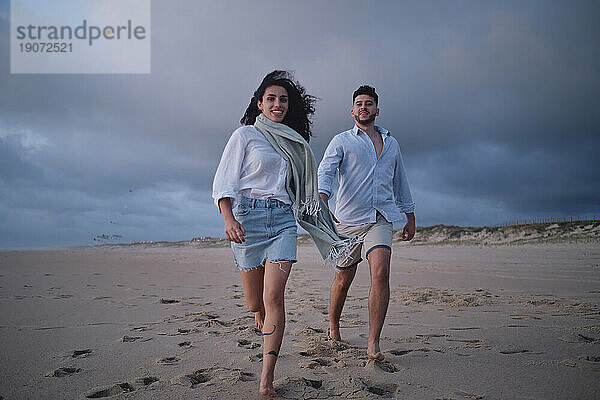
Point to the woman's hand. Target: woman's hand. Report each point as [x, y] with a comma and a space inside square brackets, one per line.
[234, 231]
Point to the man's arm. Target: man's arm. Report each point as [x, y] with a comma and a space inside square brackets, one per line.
[410, 228]
[327, 168]
[402, 194]
[325, 199]
[404, 199]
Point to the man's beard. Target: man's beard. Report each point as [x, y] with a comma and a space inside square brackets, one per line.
[367, 121]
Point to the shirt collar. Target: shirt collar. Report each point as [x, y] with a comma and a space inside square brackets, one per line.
[384, 132]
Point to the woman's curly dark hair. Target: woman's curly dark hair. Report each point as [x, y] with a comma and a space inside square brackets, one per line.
[301, 105]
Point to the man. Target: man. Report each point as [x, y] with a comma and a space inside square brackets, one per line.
[372, 189]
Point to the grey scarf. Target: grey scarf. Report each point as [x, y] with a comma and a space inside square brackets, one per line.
[301, 183]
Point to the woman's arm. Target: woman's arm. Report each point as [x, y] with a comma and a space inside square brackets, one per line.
[227, 177]
[234, 231]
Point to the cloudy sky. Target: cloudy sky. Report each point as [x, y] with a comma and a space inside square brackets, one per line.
[495, 104]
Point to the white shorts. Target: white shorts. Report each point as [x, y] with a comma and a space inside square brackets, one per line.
[375, 235]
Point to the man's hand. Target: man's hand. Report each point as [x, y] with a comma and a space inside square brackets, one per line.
[325, 199]
[410, 228]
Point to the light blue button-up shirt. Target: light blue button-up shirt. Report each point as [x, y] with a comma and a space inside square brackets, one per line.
[367, 184]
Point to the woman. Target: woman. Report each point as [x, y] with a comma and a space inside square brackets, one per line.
[267, 172]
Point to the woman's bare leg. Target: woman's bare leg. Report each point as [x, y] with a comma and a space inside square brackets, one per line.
[276, 275]
[252, 280]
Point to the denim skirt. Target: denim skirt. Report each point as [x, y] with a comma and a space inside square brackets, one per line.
[271, 232]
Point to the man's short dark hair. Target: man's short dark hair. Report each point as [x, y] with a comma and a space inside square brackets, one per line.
[368, 90]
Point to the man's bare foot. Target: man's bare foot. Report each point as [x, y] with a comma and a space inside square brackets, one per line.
[374, 352]
[259, 319]
[334, 334]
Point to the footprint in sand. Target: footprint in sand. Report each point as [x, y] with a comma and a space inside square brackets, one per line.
[114, 390]
[214, 323]
[579, 338]
[403, 352]
[141, 329]
[146, 380]
[168, 301]
[384, 366]
[64, 371]
[587, 339]
[594, 359]
[330, 351]
[381, 389]
[120, 388]
[256, 357]
[247, 344]
[191, 380]
[63, 296]
[524, 316]
[300, 388]
[360, 388]
[168, 361]
[467, 328]
[101, 297]
[201, 316]
[48, 328]
[399, 352]
[584, 364]
[214, 373]
[244, 320]
[316, 363]
[308, 331]
[130, 339]
[80, 353]
[469, 343]
[514, 351]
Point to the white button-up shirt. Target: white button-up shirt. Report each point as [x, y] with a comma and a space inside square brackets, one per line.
[367, 184]
[250, 166]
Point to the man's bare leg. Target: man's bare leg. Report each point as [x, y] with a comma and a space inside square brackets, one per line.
[252, 281]
[337, 298]
[379, 298]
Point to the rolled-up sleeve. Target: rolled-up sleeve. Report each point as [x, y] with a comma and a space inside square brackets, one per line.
[402, 194]
[329, 165]
[227, 177]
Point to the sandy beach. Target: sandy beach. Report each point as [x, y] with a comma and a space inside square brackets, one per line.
[138, 322]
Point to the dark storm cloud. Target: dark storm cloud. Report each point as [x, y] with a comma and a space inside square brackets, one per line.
[494, 105]
[12, 165]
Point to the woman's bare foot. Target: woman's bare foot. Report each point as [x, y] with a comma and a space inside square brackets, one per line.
[374, 352]
[259, 319]
[266, 387]
[334, 333]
